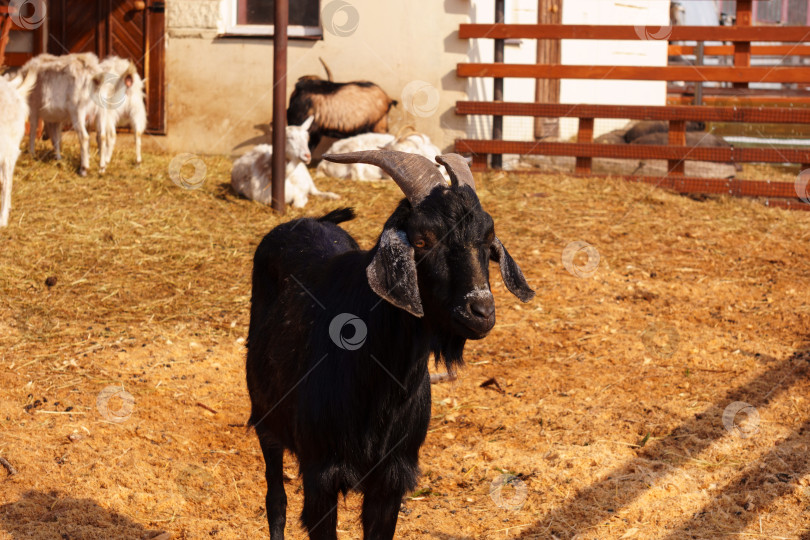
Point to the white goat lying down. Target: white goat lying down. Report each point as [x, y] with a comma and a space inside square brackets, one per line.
[76, 88]
[13, 112]
[252, 173]
[410, 142]
[355, 171]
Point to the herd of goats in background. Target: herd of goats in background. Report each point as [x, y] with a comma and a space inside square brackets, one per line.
[80, 90]
[76, 89]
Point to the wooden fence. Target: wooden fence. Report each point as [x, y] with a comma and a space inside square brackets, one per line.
[738, 100]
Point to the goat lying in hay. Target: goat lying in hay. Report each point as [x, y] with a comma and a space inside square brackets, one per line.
[252, 174]
[355, 408]
[356, 143]
[408, 140]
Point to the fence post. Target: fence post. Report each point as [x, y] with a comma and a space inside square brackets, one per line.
[548, 52]
[279, 102]
[677, 137]
[497, 90]
[742, 49]
[698, 84]
[584, 135]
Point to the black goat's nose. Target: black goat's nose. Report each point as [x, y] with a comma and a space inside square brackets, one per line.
[483, 308]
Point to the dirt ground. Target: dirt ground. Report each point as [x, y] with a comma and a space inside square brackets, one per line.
[656, 387]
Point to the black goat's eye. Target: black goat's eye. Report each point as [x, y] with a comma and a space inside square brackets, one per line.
[419, 243]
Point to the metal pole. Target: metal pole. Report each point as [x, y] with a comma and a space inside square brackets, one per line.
[698, 84]
[497, 91]
[282, 14]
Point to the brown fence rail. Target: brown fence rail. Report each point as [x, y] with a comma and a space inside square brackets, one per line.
[638, 151]
[775, 74]
[756, 50]
[674, 33]
[765, 115]
[722, 105]
[676, 152]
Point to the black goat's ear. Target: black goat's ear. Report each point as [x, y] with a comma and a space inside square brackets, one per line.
[510, 272]
[392, 272]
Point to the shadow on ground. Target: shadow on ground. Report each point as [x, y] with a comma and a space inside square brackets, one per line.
[55, 515]
[690, 439]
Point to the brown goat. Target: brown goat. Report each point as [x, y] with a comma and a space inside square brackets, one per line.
[340, 109]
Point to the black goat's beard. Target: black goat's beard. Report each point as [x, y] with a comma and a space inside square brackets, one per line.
[449, 350]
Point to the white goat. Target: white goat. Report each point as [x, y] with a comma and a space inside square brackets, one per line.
[355, 171]
[120, 101]
[14, 107]
[418, 143]
[409, 141]
[64, 89]
[252, 173]
[415, 143]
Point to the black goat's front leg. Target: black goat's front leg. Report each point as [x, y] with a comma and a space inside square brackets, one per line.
[276, 500]
[320, 508]
[380, 513]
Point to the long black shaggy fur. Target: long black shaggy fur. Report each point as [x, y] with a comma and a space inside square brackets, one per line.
[353, 403]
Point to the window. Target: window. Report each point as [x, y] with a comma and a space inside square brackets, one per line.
[255, 18]
[785, 12]
[768, 12]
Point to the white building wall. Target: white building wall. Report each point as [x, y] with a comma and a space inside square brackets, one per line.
[219, 88]
[520, 51]
[480, 88]
[649, 16]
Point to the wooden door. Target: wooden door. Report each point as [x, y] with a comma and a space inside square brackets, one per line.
[130, 29]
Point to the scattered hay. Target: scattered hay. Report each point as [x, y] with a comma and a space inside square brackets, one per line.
[609, 423]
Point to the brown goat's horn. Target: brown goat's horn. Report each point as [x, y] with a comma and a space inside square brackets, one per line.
[415, 175]
[326, 69]
[460, 173]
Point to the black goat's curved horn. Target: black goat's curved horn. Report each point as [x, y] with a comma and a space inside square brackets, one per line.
[415, 175]
[460, 173]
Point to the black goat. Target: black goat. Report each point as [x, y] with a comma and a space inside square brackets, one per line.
[354, 406]
[340, 109]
